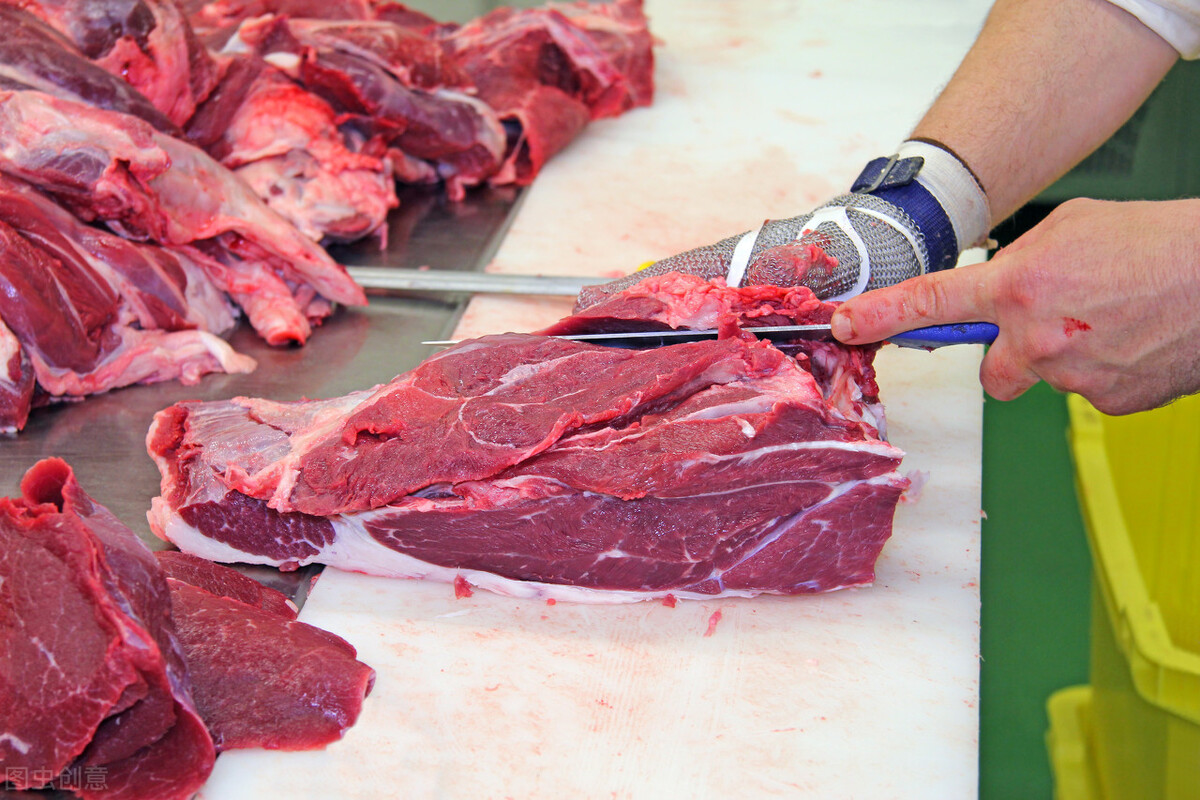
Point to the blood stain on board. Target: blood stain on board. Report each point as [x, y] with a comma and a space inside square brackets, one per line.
[669, 600]
[461, 587]
[712, 623]
[1071, 326]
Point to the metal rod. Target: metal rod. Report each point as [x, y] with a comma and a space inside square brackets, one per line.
[432, 280]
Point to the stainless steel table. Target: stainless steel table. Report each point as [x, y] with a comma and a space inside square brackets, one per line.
[103, 437]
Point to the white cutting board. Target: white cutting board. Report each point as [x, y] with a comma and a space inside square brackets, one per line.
[764, 108]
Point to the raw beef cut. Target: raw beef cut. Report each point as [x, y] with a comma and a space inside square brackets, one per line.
[16, 382]
[35, 56]
[88, 311]
[261, 678]
[535, 465]
[223, 13]
[285, 143]
[396, 98]
[488, 101]
[91, 673]
[121, 669]
[224, 582]
[548, 71]
[148, 43]
[146, 185]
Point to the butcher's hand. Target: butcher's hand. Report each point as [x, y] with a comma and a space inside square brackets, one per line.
[907, 214]
[1101, 299]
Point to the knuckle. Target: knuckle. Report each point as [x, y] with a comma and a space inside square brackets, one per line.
[1040, 349]
[1002, 377]
[1022, 289]
[926, 299]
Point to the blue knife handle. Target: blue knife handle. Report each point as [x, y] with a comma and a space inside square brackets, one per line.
[953, 333]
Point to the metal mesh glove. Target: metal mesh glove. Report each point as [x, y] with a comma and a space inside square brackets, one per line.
[861, 242]
[906, 217]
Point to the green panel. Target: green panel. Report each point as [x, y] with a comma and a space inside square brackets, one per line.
[1036, 577]
[1153, 156]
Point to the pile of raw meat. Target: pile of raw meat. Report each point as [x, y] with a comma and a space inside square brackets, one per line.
[168, 166]
[123, 673]
[540, 466]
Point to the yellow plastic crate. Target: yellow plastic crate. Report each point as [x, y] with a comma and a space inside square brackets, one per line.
[1138, 479]
[1067, 741]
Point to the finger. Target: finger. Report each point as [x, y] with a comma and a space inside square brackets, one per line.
[962, 294]
[1003, 374]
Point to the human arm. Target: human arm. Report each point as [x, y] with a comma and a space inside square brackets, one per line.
[1043, 86]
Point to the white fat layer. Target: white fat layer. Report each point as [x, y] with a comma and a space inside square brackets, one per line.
[287, 62]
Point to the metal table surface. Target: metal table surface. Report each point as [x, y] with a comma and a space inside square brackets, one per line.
[103, 436]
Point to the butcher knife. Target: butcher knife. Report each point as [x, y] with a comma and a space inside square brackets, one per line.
[926, 338]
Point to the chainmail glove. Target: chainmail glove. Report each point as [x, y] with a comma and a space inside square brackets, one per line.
[906, 215]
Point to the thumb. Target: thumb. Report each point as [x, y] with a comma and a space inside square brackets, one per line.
[962, 294]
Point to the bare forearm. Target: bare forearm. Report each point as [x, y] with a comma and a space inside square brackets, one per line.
[1045, 84]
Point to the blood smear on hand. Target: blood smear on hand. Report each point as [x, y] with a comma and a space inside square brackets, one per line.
[1072, 325]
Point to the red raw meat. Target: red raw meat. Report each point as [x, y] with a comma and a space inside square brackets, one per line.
[35, 56]
[530, 464]
[285, 143]
[488, 101]
[223, 13]
[391, 86]
[224, 582]
[128, 666]
[16, 382]
[548, 71]
[261, 678]
[147, 185]
[90, 311]
[91, 673]
[148, 43]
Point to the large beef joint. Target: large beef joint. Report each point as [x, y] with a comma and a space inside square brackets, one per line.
[122, 673]
[533, 465]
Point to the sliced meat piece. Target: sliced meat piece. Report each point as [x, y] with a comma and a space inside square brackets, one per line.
[93, 673]
[224, 582]
[165, 288]
[413, 55]
[93, 312]
[263, 679]
[391, 94]
[463, 415]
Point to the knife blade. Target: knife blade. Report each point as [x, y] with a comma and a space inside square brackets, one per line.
[927, 338]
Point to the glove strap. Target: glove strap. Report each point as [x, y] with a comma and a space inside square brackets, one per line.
[740, 259]
[838, 216]
[939, 193]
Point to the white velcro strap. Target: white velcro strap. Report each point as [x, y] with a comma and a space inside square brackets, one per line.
[956, 191]
[837, 215]
[741, 256]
